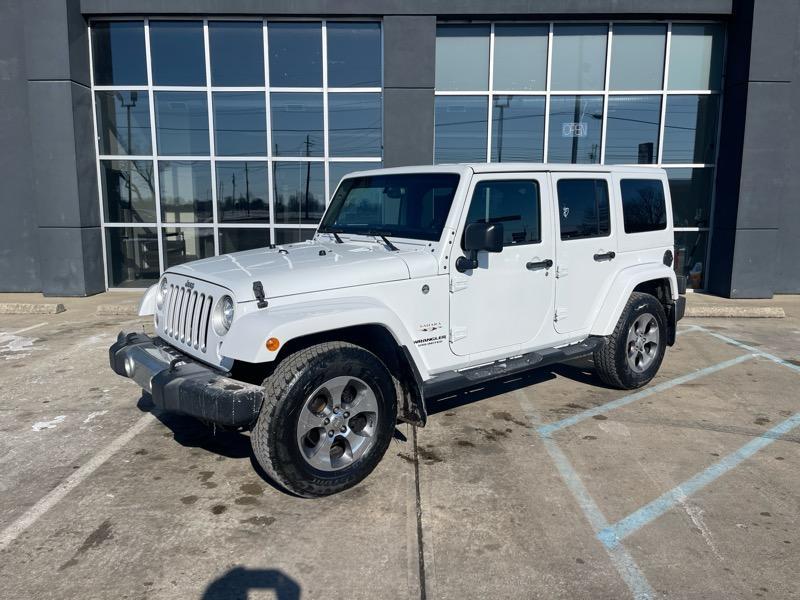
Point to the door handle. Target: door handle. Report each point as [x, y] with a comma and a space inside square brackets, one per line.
[542, 264]
[605, 256]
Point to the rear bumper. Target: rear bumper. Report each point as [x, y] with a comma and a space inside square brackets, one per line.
[180, 384]
[675, 313]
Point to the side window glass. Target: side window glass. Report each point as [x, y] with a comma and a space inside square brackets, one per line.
[583, 210]
[514, 203]
[643, 205]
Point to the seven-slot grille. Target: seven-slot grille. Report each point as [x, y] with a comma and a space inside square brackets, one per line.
[188, 316]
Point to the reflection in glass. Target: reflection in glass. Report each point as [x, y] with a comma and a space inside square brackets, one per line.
[292, 236]
[177, 53]
[579, 57]
[128, 191]
[185, 244]
[575, 129]
[354, 124]
[295, 54]
[691, 196]
[460, 124]
[462, 57]
[240, 124]
[242, 193]
[123, 122]
[132, 256]
[118, 54]
[637, 57]
[690, 129]
[237, 240]
[237, 53]
[690, 256]
[299, 192]
[632, 135]
[337, 170]
[520, 57]
[518, 128]
[354, 54]
[695, 57]
[296, 124]
[182, 123]
[185, 191]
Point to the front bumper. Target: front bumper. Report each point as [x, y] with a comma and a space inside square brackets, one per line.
[180, 384]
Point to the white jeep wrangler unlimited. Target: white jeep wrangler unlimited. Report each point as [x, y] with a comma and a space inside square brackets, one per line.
[419, 281]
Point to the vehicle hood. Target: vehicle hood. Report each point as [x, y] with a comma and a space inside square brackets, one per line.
[307, 267]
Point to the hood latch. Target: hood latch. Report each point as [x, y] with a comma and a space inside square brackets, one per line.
[258, 292]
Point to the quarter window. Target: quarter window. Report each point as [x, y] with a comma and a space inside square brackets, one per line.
[643, 205]
[583, 209]
[512, 203]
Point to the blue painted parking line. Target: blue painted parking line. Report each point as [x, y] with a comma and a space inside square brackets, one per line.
[744, 346]
[613, 535]
[625, 564]
[549, 429]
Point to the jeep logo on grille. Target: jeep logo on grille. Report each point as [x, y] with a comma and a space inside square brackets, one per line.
[190, 285]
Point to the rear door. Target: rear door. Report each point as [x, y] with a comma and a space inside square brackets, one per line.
[508, 299]
[586, 247]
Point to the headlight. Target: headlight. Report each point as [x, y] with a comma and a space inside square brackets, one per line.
[161, 294]
[223, 315]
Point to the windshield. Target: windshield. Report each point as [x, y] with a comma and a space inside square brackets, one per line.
[413, 205]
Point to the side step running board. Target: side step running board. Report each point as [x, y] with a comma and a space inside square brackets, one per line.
[447, 383]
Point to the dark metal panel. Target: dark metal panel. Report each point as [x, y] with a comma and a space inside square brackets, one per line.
[408, 127]
[19, 268]
[56, 43]
[64, 176]
[71, 261]
[774, 29]
[409, 53]
[753, 274]
[409, 7]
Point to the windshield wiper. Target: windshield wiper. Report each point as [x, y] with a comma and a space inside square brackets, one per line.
[384, 236]
[334, 232]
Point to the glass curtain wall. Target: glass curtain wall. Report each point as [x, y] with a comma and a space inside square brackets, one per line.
[591, 93]
[217, 135]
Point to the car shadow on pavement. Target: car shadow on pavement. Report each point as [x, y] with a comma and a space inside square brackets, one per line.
[192, 433]
[239, 581]
[579, 370]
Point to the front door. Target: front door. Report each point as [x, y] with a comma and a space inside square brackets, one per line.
[586, 249]
[508, 299]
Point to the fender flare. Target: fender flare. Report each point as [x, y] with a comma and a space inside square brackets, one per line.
[147, 305]
[247, 338]
[621, 289]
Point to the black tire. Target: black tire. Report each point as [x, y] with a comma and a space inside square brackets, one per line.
[274, 438]
[611, 360]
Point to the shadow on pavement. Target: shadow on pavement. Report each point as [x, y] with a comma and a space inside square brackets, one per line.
[580, 370]
[236, 583]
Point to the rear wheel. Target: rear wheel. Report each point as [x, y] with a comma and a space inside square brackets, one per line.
[327, 419]
[633, 353]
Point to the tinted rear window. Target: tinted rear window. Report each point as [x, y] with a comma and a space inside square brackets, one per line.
[644, 207]
[583, 208]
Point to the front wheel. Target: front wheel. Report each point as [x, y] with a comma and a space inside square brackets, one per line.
[327, 419]
[632, 354]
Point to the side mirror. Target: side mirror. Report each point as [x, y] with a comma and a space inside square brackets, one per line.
[479, 237]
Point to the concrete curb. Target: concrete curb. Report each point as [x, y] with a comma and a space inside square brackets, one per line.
[117, 309]
[735, 312]
[30, 308]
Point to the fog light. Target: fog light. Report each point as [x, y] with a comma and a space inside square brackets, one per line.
[130, 366]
